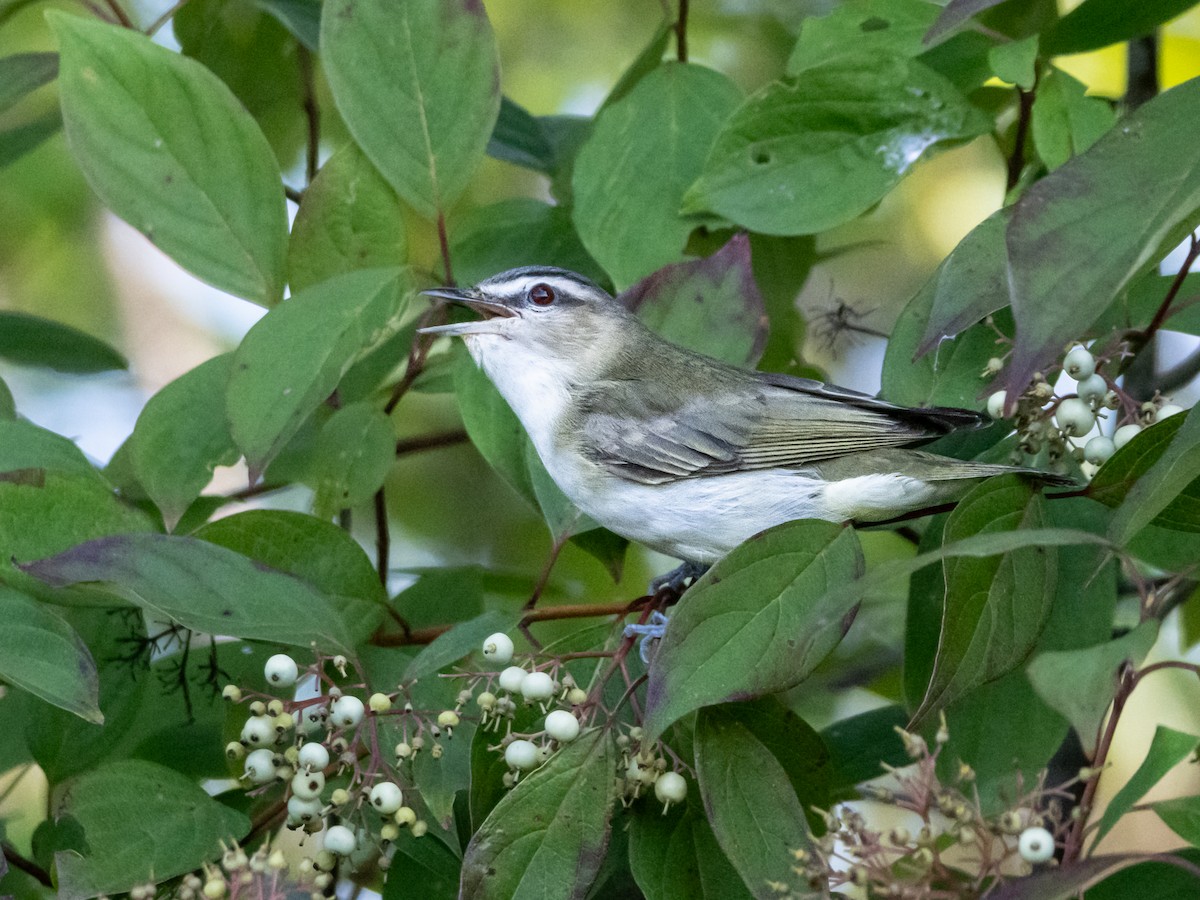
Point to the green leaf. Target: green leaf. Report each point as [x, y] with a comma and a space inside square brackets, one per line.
[64, 744]
[1098, 23]
[141, 822]
[767, 601]
[802, 156]
[317, 552]
[520, 139]
[25, 446]
[755, 815]
[294, 357]
[1168, 748]
[432, 64]
[674, 856]
[858, 745]
[1135, 192]
[18, 140]
[1161, 483]
[1182, 816]
[1016, 62]
[547, 837]
[8, 406]
[23, 73]
[427, 863]
[169, 149]
[955, 13]
[995, 607]
[350, 218]
[41, 653]
[1165, 876]
[47, 515]
[34, 341]
[181, 436]
[971, 283]
[1080, 684]
[301, 17]
[781, 268]
[863, 26]
[712, 305]
[518, 232]
[1065, 883]
[1121, 472]
[657, 136]
[203, 587]
[643, 64]
[355, 451]
[461, 640]
[1065, 121]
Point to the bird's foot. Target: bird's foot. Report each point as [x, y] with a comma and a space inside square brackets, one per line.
[678, 579]
[652, 631]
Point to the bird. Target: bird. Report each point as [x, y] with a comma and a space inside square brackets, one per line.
[684, 453]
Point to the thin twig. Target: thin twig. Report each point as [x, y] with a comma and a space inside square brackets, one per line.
[1016, 162]
[292, 194]
[165, 18]
[545, 614]
[383, 538]
[1162, 313]
[122, 18]
[681, 47]
[312, 112]
[405, 446]
[28, 866]
[544, 577]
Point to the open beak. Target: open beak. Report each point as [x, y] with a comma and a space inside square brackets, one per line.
[489, 309]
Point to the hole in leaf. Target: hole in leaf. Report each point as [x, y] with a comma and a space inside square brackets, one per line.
[874, 23]
[761, 158]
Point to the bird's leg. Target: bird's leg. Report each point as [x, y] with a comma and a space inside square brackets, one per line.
[678, 579]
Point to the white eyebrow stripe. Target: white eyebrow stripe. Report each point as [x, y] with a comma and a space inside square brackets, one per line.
[512, 286]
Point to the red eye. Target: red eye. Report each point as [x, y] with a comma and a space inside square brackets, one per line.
[541, 294]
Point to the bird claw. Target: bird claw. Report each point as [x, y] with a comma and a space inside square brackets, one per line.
[651, 631]
[678, 579]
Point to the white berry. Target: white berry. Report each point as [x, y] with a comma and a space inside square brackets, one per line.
[1036, 845]
[1079, 363]
[670, 787]
[347, 711]
[1092, 389]
[498, 648]
[995, 404]
[537, 686]
[308, 785]
[312, 718]
[511, 678]
[1098, 450]
[1074, 417]
[1167, 411]
[260, 766]
[386, 797]
[313, 756]
[301, 810]
[281, 670]
[257, 731]
[340, 840]
[1125, 434]
[562, 726]
[521, 754]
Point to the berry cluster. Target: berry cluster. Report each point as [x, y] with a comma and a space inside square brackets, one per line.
[1059, 424]
[952, 847]
[325, 750]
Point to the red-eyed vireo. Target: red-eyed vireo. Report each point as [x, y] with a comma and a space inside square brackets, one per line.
[681, 452]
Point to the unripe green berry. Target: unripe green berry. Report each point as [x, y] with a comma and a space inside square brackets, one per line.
[339, 797]
[234, 751]
[486, 701]
[419, 828]
[448, 719]
[577, 696]
[389, 832]
[232, 693]
[404, 816]
[670, 787]
[403, 750]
